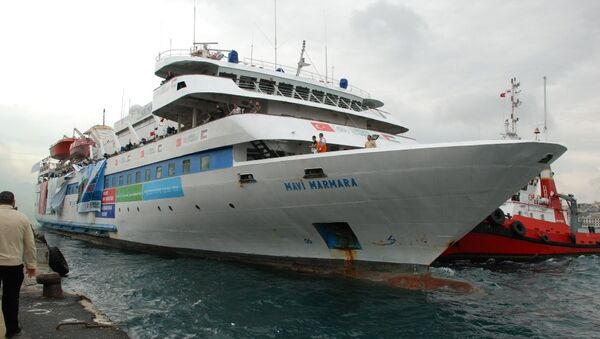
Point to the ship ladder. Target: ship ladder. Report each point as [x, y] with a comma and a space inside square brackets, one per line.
[263, 149]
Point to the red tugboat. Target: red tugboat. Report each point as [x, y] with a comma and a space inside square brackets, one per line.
[534, 223]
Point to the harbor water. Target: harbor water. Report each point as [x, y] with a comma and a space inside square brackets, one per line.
[152, 296]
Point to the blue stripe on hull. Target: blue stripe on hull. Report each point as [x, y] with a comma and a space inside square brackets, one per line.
[93, 229]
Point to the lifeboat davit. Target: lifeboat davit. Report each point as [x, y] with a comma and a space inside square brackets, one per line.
[80, 148]
[61, 149]
[539, 227]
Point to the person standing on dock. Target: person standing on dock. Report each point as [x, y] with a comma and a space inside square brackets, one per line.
[17, 247]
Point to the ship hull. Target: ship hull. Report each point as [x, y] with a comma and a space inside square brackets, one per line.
[389, 210]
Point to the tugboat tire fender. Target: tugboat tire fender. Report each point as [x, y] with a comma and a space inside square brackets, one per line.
[57, 261]
[544, 238]
[497, 217]
[518, 228]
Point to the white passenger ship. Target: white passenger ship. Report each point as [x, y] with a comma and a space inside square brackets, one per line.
[235, 177]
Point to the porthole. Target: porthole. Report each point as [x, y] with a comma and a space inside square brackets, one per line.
[138, 209]
[170, 208]
[158, 208]
[231, 205]
[197, 207]
[127, 209]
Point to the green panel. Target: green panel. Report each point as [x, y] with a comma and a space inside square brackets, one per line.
[129, 193]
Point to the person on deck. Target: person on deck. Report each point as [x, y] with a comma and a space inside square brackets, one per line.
[314, 144]
[322, 144]
[17, 247]
[370, 142]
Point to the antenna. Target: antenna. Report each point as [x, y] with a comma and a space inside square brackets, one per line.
[252, 50]
[194, 36]
[510, 125]
[325, 23]
[545, 113]
[301, 62]
[275, 7]
[104, 117]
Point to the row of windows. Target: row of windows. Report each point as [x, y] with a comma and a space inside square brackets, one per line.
[303, 93]
[170, 168]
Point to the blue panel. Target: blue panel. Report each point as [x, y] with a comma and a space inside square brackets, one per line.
[338, 235]
[161, 189]
[108, 211]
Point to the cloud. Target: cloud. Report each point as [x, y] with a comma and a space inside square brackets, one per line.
[392, 27]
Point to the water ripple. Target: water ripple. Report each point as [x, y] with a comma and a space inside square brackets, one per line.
[163, 297]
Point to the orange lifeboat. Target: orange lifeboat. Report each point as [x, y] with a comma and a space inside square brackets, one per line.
[80, 148]
[60, 150]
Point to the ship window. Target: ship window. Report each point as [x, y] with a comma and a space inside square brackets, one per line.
[345, 102]
[355, 105]
[106, 182]
[148, 175]
[158, 172]
[171, 169]
[317, 96]
[181, 85]
[286, 89]
[266, 86]
[186, 166]
[228, 76]
[542, 216]
[331, 99]
[121, 180]
[138, 177]
[114, 181]
[301, 93]
[205, 163]
[247, 82]
[128, 178]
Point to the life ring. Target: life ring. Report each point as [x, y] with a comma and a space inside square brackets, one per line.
[544, 238]
[518, 228]
[57, 261]
[497, 217]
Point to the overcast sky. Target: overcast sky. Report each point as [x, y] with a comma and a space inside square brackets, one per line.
[438, 65]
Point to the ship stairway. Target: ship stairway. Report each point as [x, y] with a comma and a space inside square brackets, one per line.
[263, 149]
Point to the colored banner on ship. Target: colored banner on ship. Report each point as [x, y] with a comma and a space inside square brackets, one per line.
[160, 189]
[93, 185]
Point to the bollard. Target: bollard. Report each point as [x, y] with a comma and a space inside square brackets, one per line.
[52, 285]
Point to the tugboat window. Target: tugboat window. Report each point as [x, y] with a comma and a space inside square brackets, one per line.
[129, 179]
[158, 172]
[121, 180]
[138, 177]
[171, 169]
[148, 175]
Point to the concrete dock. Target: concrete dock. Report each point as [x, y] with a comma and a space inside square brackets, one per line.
[70, 317]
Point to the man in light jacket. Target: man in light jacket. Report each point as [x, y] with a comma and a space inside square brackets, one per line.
[17, 248]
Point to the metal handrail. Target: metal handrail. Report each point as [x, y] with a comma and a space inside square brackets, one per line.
[296, 95]
[329, 82]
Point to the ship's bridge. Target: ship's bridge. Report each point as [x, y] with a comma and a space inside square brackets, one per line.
[197, 89]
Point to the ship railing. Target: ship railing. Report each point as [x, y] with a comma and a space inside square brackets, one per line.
[321, 98]
[328, 82]
[324, 81]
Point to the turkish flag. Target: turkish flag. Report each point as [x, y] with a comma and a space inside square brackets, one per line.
[319, 126]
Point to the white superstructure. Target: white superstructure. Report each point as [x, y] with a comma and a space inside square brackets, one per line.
[236, 177]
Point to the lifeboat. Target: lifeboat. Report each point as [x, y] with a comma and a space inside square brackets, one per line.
[529, 226]
[60, 150]
[80, 148]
